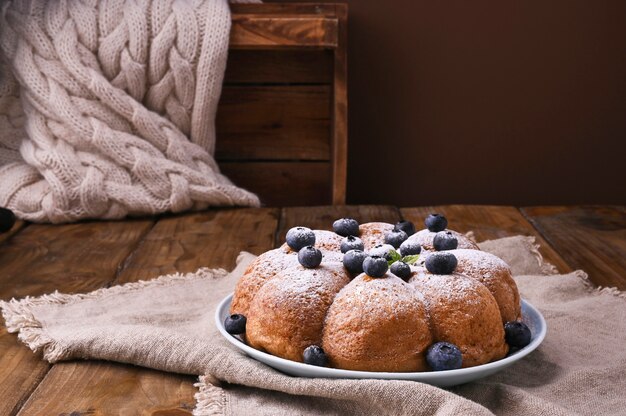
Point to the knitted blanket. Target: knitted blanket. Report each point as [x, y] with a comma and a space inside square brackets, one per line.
[107, 108]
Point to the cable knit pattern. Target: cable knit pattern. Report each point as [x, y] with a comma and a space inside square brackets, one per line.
[112, 105]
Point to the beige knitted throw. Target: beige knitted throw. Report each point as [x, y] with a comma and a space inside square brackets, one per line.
[107, 107]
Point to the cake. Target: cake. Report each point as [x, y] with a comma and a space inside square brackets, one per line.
[308, 301]
[267, 265]
[293, 306]
[495, 275]
[463, 312]
[359, 328]
[425, 239]
[373, 233]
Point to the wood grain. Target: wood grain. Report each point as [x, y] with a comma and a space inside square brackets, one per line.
[340, 109]
[20, 372]
[283, 183]
[487, 222]
[314, 9]
[591, 238]
[322, 217]
[274, 123]
[103, 388]
[70, 258]
[280, 31]
[282, 66]
[43, 258]
[176, 244]
[208, 239]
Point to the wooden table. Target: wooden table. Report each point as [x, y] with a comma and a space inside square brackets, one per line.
[37, 259]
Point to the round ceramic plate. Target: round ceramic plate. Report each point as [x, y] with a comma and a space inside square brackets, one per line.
[530, 315]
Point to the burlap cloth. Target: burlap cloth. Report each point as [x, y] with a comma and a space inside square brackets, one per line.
[167, 324]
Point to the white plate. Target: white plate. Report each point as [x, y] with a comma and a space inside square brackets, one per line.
[530, 315]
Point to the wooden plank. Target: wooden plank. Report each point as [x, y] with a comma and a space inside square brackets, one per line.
[279, 67]
[314, 9]
[20, 372]
[103, 388]
[279, 31]
[279, 25]
[70, 258]
[591, 238]
[340, 109]
[177, 243]
[322, 217]
[208, 239]
[44, 258]
[274, 123]
[283, 183]
[487, 222]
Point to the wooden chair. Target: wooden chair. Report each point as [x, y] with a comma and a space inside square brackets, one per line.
[282, 118]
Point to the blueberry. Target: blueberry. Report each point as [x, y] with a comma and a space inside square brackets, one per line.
[7, 219]
[436, 223]
[353, 261]
[445, 240]
[517, 334]
[315, 355]
[382, 250]
[407, 226]
[346, 226]
[395, 238]
[309, 257]
[444, 356]
[235, 324]
[441, 263]
[375, 266]
[299, 237]
[401, 269]
[351, 243]
[409, 248]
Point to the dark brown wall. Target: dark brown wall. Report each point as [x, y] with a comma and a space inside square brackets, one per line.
[498, 102]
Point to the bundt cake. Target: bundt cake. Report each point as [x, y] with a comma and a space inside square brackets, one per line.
[388, 299]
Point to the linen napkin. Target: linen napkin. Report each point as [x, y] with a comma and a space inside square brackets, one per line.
[167, 323]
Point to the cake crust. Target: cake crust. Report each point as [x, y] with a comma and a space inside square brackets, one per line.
[377, 325]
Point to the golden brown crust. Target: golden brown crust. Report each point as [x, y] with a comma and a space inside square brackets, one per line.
[373, 233]
[495, 274]
[377, 325]
[324, 240]
[268, 264]
[288, 312]
[263, 268]
[462, 311]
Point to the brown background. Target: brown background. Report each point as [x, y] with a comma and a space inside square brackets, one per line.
[495, 102]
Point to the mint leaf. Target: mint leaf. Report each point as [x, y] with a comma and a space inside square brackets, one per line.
[394, 256]
[412, 259]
